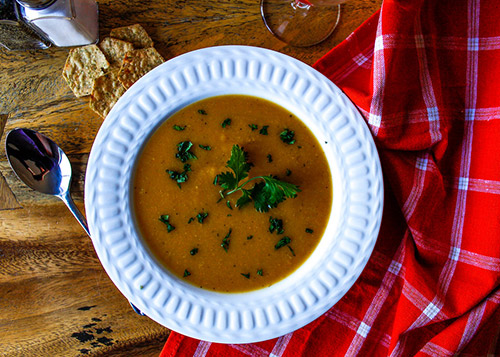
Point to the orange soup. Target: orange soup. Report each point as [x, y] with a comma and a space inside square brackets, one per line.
[232, 193]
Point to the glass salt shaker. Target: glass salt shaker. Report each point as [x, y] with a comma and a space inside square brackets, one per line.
[63, 22]
[15, 34]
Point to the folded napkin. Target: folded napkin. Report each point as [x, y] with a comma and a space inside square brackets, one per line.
[424, 74]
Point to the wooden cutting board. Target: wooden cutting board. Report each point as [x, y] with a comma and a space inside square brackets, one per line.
[55, 298]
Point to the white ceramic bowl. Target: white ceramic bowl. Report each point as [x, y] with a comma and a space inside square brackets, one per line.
[342, 252]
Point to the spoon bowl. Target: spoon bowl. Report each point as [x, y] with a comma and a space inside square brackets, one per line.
[42, 165]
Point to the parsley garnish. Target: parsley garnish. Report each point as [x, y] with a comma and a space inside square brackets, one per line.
[265, 194]
[288, 172]
[205, 147]
[276, 224]
[309, 230]
[179, 128]
[253, 126]
[282, 242]
[179, 177]
[226, 241]
[247, 275]
[202, 112]
[226, 122]
[263, 131]
[193, 251]
[260, 272]
[249, 237]
[228, 204]
[201, 216]
[186, 273]
[269, 158]
[164, 218]
[287, 136]
[190, 220]
[183, 152]
[291, 250]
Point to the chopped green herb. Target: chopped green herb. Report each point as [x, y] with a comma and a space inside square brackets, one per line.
[269, 158]
[193, 251]
[263, 131]
[260, 272]
[202, 111]
[183, 152]
[179, 177]
[186, 273]
[288, 172]
[229, 204]
[226, 122]
[179, 128]
[190, 220]
[216, 179]
[253, 126]
[291, 250]
[282, 242]
[276, 224]
[205, 147]
[287, 136]
[141, 287]
[247, 275]
[187, 167]
[226, 240]
[201, 216]
[164, 218]
[249, 237]
[265, 195]
[309, 230]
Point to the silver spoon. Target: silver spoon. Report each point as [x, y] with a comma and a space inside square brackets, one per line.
[44, 167]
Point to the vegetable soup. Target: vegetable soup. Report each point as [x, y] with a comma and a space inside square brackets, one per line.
[232, 193]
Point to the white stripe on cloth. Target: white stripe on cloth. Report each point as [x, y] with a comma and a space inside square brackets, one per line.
[251, 350]
[426, 84]
[379, 73]
[281, 345]
[417, 186]
[202, 349]
[378, 300]
[454, 43]
[446, 275]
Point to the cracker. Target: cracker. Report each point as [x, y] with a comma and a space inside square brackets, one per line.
[137, 63]
[82, 66]
[134, 34]
[115, 50]
[106, 92]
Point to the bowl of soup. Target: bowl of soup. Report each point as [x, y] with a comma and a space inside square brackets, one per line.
[234, 194]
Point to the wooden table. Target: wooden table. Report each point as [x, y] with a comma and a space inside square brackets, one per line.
[55, 298]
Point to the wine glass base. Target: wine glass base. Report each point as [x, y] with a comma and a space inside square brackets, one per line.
[298, 23]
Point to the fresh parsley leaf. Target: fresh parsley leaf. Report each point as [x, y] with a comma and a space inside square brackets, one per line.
[202, 112]
[269, 158]
[179, 128]
[247, 275]
[205, 147]
[266, 194]
[260, 272]
[249, 237]
[253, 126]
[226, 240]
[276, 224]
[287, 136]
[183, 152]
[164, 218]
[226, 122]
[239, 163]
[201, 216]
[291, 250]
[282, 242]
[179, 177]
[186, 273]
[263, 130]
[191, 219]
[228, 204]
[309, 230]
[193, 251]
[288, 172]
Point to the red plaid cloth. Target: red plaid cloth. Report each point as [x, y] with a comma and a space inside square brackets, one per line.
[425, 75]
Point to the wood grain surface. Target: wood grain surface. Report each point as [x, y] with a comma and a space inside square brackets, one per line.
[55, 298]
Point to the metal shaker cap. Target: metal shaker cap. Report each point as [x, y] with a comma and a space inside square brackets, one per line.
[35, 4]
